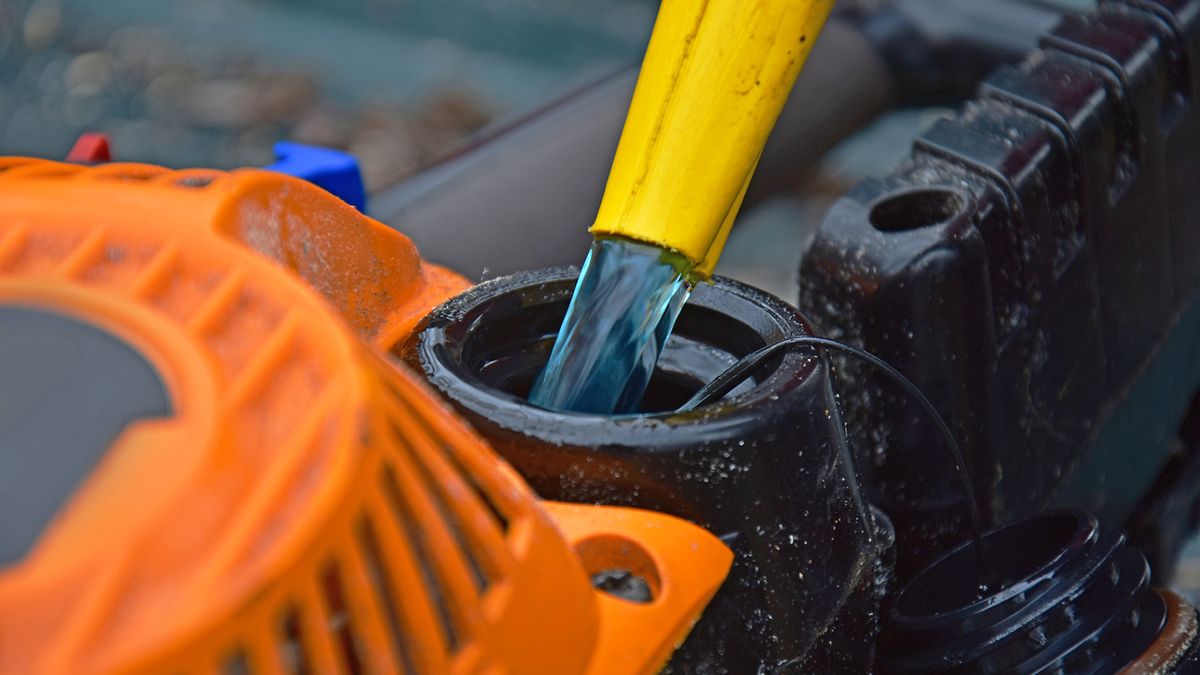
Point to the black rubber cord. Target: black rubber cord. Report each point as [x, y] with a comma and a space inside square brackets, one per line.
[750, 363]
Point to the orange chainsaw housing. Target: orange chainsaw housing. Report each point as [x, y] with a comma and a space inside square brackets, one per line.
[308, 506]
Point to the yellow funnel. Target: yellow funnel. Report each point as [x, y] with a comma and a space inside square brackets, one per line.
[715, 77]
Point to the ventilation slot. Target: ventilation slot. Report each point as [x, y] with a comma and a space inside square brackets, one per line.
[293, 653]
[385, 590]
[196, 181]
[338, 620]
[447, 514]
[453, 456]
[424, 554]
[237, 663]
[467, 475]
[13, 162]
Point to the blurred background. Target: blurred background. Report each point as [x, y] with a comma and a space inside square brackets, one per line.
[216, 82]
[405, 84]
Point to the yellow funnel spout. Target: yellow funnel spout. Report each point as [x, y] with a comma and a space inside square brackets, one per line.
[715, 77]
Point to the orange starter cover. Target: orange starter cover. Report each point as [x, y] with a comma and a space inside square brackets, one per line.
[307, 506]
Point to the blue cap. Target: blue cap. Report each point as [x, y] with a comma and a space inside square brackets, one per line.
[333, 170]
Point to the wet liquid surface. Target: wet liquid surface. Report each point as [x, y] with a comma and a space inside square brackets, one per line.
[621, 314]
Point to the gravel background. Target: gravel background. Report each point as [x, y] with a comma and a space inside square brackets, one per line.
[400, 83]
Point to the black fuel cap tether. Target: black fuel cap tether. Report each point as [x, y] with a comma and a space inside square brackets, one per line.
[1073, 598]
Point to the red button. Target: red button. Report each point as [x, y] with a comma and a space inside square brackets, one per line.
[90, 148]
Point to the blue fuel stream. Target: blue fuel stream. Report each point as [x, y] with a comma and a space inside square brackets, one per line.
[621, 314]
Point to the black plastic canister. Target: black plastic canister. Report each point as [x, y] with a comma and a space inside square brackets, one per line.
[767, 468]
